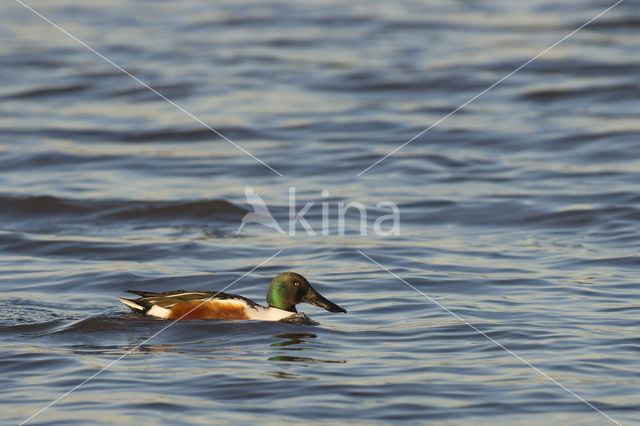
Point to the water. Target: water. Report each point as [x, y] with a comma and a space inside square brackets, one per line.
[519, 213]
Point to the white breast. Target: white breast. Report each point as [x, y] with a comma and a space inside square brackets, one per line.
[267, 314]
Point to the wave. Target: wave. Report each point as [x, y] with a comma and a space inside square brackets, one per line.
[16, 208]
[600, 92]
[169, 134]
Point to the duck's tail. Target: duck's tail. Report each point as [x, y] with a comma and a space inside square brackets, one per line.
[132, 304]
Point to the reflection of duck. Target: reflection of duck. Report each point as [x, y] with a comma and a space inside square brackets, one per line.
[287, 358]
[297, 342]
[293, 338]
[284, 293]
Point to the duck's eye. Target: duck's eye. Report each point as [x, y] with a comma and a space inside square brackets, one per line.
[296, 283]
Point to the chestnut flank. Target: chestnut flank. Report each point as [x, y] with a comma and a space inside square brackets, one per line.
[211, 309]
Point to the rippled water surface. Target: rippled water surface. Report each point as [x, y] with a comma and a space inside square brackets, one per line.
[519, 214]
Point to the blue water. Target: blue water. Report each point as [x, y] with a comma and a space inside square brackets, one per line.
[519, 214]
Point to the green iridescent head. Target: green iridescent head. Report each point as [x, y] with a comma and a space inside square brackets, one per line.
[288, 289]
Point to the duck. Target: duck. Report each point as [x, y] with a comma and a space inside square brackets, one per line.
[285, 291]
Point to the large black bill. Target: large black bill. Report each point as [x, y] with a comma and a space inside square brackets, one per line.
[317, 299]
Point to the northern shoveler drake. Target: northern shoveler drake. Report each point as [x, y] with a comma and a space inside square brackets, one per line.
[285, 292]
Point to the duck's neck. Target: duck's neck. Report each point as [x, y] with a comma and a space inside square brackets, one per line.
[292, 309]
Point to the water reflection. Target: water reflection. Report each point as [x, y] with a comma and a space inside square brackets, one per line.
[298, 342]
[293, 339]
[283, 375]
[305, 359]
